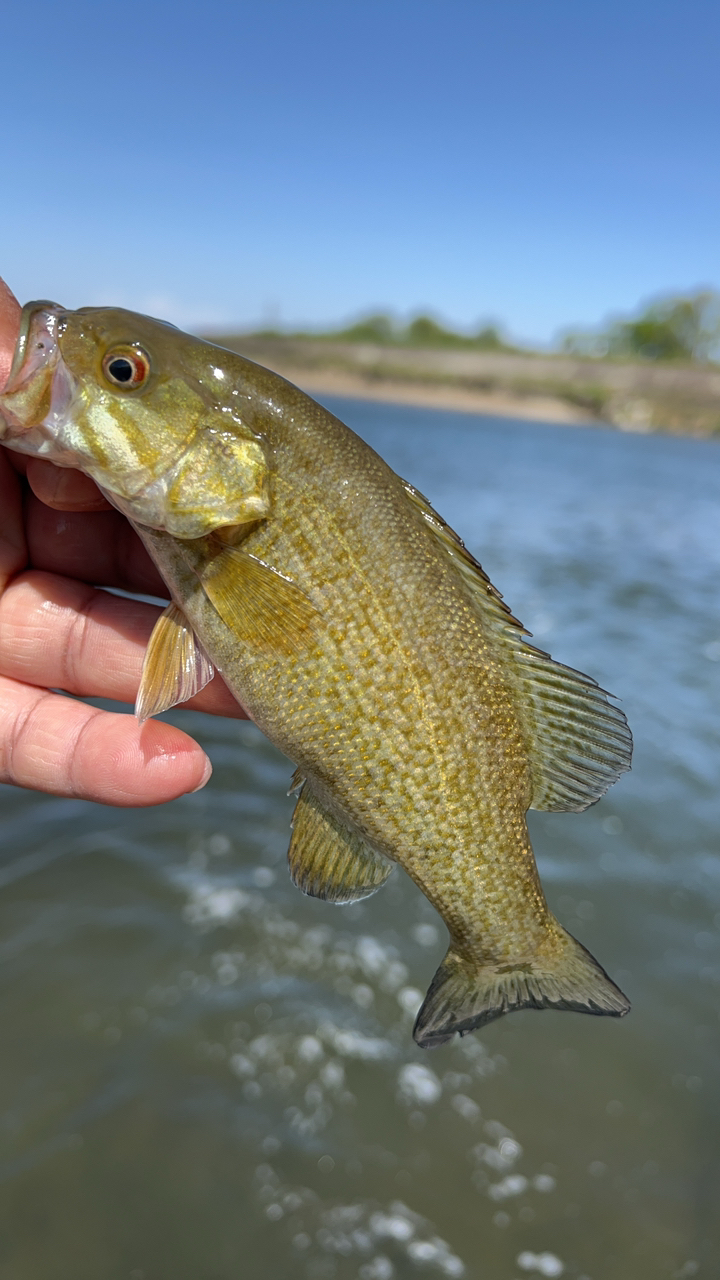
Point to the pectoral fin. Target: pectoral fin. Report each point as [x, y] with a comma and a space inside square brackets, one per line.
[329, 861]
[176, 666]
[259, 605]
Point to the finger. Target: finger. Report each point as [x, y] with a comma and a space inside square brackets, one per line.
[64, 489]
[52, 743]
[13, 548]
[61, 634]
[98, 547]
[9, 329]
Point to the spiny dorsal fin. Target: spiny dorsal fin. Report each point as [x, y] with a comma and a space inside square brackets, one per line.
[329, 861]
[259, 605]
[176, 666]
[579, 742]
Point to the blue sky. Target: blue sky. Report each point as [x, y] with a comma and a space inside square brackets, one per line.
[540, 162]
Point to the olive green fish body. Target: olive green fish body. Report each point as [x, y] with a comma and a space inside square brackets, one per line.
[400, 715]
[359, 634]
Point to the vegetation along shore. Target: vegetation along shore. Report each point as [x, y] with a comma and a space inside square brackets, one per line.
[659, 371]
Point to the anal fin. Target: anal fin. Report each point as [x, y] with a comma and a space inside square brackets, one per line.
[328, 860]
[176, 666]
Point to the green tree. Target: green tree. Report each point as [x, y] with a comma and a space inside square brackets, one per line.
[684, 327]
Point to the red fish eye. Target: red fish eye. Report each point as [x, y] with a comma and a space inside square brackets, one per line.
[127, 368]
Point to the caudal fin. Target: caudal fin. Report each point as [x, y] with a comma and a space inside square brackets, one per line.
[464, 996]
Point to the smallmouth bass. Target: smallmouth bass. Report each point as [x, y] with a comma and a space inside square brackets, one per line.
[355, 629]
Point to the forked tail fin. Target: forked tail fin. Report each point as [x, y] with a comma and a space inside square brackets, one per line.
[464, 996]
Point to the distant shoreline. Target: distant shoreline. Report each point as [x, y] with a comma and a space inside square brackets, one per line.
[457, 399]
[575, 391]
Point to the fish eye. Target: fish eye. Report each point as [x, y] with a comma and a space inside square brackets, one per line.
[126, 367]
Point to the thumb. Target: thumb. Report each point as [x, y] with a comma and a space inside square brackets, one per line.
[9, 327]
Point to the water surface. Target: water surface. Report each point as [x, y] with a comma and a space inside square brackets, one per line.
[207, 1076]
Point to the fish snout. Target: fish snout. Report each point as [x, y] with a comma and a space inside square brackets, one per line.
[40, 386]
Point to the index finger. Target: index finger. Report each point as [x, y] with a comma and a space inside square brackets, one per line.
[9, 329]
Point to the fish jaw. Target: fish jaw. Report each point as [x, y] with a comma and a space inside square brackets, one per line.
[38, 399]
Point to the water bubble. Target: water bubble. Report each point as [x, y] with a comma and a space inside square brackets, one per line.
[393, 976]
[380, 1268]
[333, 1075]
[418, 1084]
[352, 1044]
[425, 934]
[410, 1000]
[494, 1129]
[302, 1240]
[263, 877]
[544, 1183]
[546, 1263]
[241, 1065]
[597, 1168]
[513, 1185]
[309, 1049]
[372, 955]
[711, 651]
[422, 1251]
[501, 1157]
[219, 845]
[210, 905]
[227, 974]
[396, 1226]
[326, 1164]
[466, 1107]
[363, 995]
[612, 825]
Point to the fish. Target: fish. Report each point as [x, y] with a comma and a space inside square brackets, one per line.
[357, 631]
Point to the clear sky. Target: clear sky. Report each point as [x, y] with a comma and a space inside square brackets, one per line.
[541, 162]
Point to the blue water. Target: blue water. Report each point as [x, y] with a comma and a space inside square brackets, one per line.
[206, 1076]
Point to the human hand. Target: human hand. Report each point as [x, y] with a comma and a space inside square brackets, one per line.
[59, 537]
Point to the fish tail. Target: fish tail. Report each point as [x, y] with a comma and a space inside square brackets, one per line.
[464, 995]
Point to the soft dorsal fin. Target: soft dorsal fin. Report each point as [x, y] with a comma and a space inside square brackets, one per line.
[259, 605]
[176, 666]
[326, 859]
[579, 742]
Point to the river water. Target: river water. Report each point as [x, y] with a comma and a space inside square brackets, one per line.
[206, 1076]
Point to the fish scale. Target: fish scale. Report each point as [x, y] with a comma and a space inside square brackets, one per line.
[355, 629]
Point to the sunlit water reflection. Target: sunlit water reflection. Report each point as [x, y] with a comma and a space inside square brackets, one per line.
[207, 1076]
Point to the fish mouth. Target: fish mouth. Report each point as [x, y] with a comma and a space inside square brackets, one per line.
[40, 386]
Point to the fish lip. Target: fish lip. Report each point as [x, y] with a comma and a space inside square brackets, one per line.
[40, 389]
[35, 317]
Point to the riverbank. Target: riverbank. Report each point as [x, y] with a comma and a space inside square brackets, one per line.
[681, 399]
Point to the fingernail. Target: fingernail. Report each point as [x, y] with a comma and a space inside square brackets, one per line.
[205, 778]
